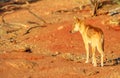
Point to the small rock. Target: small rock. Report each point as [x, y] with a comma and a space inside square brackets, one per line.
[59, 28]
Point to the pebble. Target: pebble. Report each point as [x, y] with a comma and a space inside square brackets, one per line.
[59, 28]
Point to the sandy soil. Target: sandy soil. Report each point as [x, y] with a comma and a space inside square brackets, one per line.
[50, 50]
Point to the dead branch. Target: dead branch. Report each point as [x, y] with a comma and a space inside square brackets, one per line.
[36, 16]
[8, 2]
[28, 4]
[5, 3]
[95, 5]
[28, 31]
[14, 7]
[92, 2]
[75, 9]
[31, 22]
[23, 1]
[114, 11]
[11, 31]
[11, 9]
[4, 23]
[17, 24]
[2, 17]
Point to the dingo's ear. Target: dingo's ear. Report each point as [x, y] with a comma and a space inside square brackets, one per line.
[76, 18]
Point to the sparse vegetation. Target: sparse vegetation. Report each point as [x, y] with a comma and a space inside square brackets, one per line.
[116, 1]
[35, 39]
[96, 4]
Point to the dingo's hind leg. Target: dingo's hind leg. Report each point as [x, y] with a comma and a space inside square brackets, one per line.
[100, 50]
[93, 55]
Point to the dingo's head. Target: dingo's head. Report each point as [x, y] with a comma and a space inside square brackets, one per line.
[76, 26]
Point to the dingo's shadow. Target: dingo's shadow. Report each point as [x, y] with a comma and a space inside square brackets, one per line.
[112, 62]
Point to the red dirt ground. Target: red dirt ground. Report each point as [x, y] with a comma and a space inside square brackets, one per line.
[51, 51]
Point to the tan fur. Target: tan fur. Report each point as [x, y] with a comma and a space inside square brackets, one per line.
[91, 35]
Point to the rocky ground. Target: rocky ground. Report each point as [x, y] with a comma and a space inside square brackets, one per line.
[36, 43]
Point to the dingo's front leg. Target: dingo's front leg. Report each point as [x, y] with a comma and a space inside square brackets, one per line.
[87, 52]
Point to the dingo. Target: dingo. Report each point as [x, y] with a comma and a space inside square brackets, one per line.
[91, 35]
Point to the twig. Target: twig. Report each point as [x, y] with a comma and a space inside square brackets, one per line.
[11, 31]
[75, 9]
[14, 6]
[17, 24]
[28, 31]
[11, 24]
[28, 4]
[96, 4]
[92, 2]
[36, 16]
[32, 22]
[2, 17]
[114, 11]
